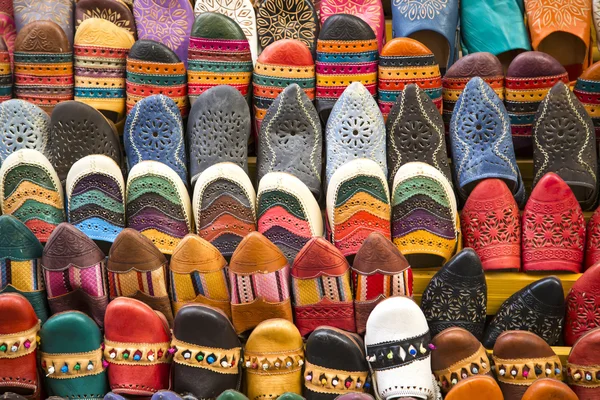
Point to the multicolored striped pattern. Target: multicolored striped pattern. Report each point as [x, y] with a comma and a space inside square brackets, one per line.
[272, 287]
[22, 275]
[151, 283]
[587, 90]
[312, 291]
[371, 287]
[452, 88]
[89, 279]
[187, 287]
[5, 75]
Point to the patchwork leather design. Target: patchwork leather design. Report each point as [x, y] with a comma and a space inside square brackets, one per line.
[23, 126]
[6, 77]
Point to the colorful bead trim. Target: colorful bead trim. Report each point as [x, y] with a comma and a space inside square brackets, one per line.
[326, 380]
[583, 375]
[476, 364]
[269, 363]
[137, 353]
[521, 372]
[19, 344]
[72, 365]
[390, 355]
[223, 361]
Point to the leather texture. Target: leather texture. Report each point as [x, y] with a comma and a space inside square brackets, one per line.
[592, 244]
[481, 141]
[154, 131]
[57, 11]
[291, 140]
[259, 275]
[322, 291]
[370, 11]
[405, 61]
[278, 20]
[62, 337]
[476, 386]
[140, 274]
[415, 132]
[379, 271]
[219, 54]
[134, 337]
[346, 53]
[31, 191]
[582, 366]
[117, 12]
[198, 275]
[521, 358]
[288, 214]
[564, 143]
[551, 210]
[166, 395]
[273, 360]
[582, 316]
[491, 225]
[167, 22]
[6, 76]
[549, 389]
[218, 130]
[153, 68]
[357, 396]
[224, 186]
[43, 65]
[538, 308]
[8, 30]
[204, 376]
[335, 364]
[457, 295]
[24, 126]
[78, 130]
[587, 90]
[231, 394]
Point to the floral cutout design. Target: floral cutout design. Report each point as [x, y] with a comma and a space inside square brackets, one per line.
[420, 9]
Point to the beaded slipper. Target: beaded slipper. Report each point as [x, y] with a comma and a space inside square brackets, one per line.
[23, 126]
[582, 314]
[117, 12]
[478, 386]
[57, 11]
[277, 21]
[582, 366]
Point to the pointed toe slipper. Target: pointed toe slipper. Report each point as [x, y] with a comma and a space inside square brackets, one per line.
[582, 366]
[23, 126]
[582, 315]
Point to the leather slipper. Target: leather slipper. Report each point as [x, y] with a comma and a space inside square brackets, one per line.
[31, 191]
[137, 344]
[77, 130]
[154, 131]
[521, 358]
[169, 23]
[117, 12]
[231, 394]
[546, 388]
[218, 130]
[491, 225]
[153, 68]
[219, 54]
[458, 356]
[587, 90]
[57, 11]
[43, 65]
[582, 314]
[405, 61]
[273, 360]
[529, 78]
[322, 289]
[8, 31]
[140, 274]
[259, 275]
[553, 228]
[71, 357]
[592, 244]
[398, 352]
[425, 223]
[370, 11]
[95, 199]
[23, 126]
[207, 361]
[538, 308]
[346, 53]
[415, 132]
[379, 271]
[291, 140]
[288, 214]
[359, 396]
[457, 295]
[20, 258]
[358, 203]
[166, 395]
[274, 20]
[198, 275]
[481, 141]
[564, 142]
[582, 366]
[335, 364]
[19, 349]
[158, 204]
[477, 387]
[224, 186]
[6, 77]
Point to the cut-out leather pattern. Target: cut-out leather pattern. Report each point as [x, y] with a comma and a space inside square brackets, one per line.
[132, 354]
[390, 355]
[72, 365]
[587, 376]
[19, 344]
[23, 126]
[525, 371]
[588, 93]
[222, 361]
[583, 314]
[287, 19]
[592, 246]
[476, 364]
[332, 381]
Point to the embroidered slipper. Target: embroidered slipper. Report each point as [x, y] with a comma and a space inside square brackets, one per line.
[153, 68]
[57, 11]
[273, 360]
[19, 349]
[71, 357]
[582, 366]
[198, 275]
[538, 308]
[476, 386]
[78, 130]
[582, 315]
[274, 19]
[6, 76]
[206, 361]
[322, 290]
[20, 258]
[370, 11]
[587, 90]
[137, 344]
[335, 364]
[291, 141]
[137, 269]
[224, 186]
[592, 237]
[288, 214]
[43, 65]
[218, 130]
[405, 61]
[117, 12]
[379, 271]
[549, 389]
[23, 126]
[31, 191]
